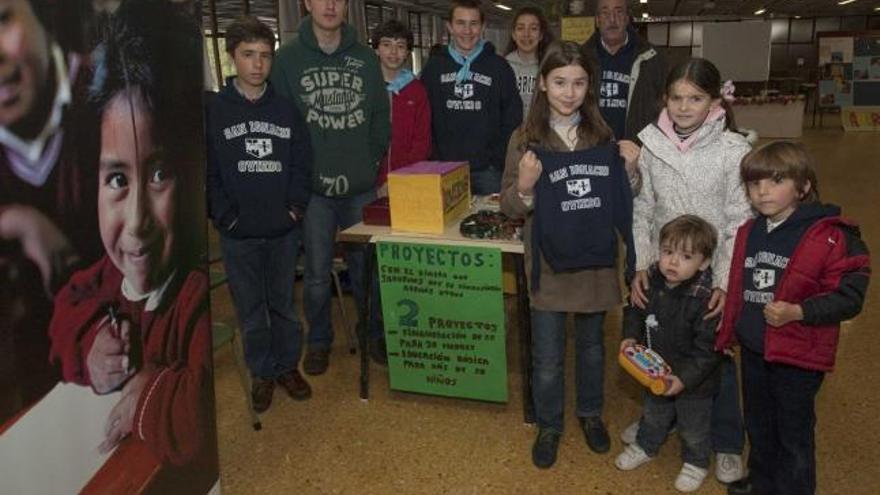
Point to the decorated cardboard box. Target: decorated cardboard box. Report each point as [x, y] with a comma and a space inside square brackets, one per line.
[426, 196]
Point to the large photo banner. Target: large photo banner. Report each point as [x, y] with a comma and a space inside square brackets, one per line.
[105, 348]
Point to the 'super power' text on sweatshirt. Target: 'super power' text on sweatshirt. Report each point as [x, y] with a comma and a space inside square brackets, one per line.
[258, 159]
[343, 99]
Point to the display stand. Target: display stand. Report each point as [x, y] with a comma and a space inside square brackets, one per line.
[369, 235]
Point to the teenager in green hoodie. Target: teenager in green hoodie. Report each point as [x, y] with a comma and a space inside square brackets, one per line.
[337, 85]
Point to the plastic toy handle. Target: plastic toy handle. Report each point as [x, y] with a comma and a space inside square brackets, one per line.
[659, 386]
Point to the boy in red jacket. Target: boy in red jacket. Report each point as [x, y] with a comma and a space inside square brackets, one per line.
[410, 133]
[410, 110]
[138, 320]
[798, 270]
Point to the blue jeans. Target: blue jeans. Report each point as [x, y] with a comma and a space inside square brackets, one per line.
[485, 181]
[324, 216]
[728, 432]
[261, 273]
[692, 415]
[548, 362]
[780, 411]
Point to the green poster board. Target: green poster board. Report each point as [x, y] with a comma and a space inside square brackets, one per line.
[444, 319]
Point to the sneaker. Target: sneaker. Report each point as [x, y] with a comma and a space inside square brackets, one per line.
[690, 478]
[261, 394]
[595, 434]
[378, 351]
[628, 435]
[632, 457]
[316, 361]
[545, 447]
[296, 386]
[728, 467]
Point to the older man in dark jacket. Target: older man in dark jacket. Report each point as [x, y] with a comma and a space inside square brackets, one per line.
[631, 71]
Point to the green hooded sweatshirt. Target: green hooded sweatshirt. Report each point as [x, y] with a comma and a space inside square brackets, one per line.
[343, 99]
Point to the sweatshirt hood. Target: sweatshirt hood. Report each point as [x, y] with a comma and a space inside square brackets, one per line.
[307, 36]
[809, 213]
[230, 92]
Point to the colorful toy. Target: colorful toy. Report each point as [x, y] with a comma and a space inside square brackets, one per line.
[646, 366]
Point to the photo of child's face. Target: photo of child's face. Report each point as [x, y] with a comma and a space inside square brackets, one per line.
[136, 194]
[24, 60]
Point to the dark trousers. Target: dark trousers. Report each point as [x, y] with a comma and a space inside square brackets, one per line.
[693, 415]
[728, 433]
[261, 274]
[779, 404]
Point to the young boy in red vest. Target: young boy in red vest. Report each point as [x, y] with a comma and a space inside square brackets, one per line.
[798, 270]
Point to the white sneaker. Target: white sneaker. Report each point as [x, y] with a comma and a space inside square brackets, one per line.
[628, 435]
[690, 478]
[632, 457]
[728, 467]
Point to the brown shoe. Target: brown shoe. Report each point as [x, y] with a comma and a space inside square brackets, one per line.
[316, 361]
[261, 394]
[295, 384]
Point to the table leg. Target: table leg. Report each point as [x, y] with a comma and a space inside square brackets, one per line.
[525, 339]
[363, 327]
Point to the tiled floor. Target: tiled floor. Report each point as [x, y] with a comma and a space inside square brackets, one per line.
[404, 443]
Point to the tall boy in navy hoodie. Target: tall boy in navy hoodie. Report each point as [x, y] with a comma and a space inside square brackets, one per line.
[259, 155]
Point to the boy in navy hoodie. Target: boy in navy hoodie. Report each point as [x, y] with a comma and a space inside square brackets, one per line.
[798, 270]
[475, 103]
[258, 158]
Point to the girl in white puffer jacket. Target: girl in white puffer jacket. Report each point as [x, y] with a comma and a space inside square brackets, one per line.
[689, 164]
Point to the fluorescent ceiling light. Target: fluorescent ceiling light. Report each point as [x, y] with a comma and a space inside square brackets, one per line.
[760, 11]
[844, 2]
[644, 15]
[643, 1]
[502, 6]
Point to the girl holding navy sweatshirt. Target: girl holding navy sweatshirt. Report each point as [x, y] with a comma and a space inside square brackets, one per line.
[567, 179]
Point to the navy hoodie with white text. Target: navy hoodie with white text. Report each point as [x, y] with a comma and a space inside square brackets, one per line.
[472, 121]
[767, 256]
[259, 157]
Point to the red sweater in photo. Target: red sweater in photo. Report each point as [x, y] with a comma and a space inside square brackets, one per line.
[175, 411]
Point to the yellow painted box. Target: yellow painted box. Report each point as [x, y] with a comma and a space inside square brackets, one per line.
[426, 196]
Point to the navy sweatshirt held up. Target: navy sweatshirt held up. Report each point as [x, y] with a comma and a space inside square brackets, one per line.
[259, 158]
[581, 198]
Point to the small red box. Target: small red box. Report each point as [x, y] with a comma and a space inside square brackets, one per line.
[378, 212]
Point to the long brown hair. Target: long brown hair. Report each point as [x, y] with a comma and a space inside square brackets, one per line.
[592, 128]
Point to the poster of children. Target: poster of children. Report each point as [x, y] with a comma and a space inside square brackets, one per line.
[105, 345]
